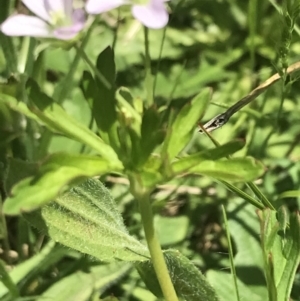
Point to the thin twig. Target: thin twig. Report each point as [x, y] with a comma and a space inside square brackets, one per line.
[223, 118]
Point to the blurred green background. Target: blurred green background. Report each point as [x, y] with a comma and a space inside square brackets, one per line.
[231, 46]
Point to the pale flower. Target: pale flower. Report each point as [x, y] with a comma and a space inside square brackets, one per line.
[54, 19]
[151, 13]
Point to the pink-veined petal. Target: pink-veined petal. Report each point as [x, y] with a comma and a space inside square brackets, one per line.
[153, 15]
[38, 8]
[100, 6]
[22, 25]
[68, 32]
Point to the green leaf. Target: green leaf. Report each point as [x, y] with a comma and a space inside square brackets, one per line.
[185, 163]
[128, 141]
[56, 172]
[99, 91]
[244, 195]
[56, 119]
[248, 261]
[96, 280]
[151, 133]
[150, 178]
[281, 251]
[109, 298]
[189, 283]
[86, 219]
[184, 124]
[104, 105]
[134, 151]
[126, 103]
[223, 284]
[18, 170]
[234, 170]
[88, 87]
[171, 230]
[289, 194]
[7, 45]
[139, 138]
[17, 106]
[7, 282]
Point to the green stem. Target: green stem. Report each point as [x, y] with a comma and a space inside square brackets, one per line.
[116, 30]
[243, 195]
[61, 94]
[100, 76]
[252, 17]
[6, 43]
[23, 54]
[148, 79]
[63, 90]
[3, 229]
[283, 97]
[264, 202]
[231, 256]
[159, 59]
[260, 195]
[156, 253]
[83, 147]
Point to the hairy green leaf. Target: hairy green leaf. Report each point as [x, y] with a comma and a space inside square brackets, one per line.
[188, 281]
[86, 219]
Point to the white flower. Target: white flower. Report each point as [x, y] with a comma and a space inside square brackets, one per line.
[152, 13]
[54, 19]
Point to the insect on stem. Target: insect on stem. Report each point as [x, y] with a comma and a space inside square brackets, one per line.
[221, 119]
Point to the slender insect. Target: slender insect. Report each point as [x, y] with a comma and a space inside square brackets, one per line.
[223, 118]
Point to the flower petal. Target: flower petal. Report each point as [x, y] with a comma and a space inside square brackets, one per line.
[69, 32]
[59, 6]
[22, 25]
[68, 7]
[38, 8]
[78, 16]
[153, 15]
[100, 6]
